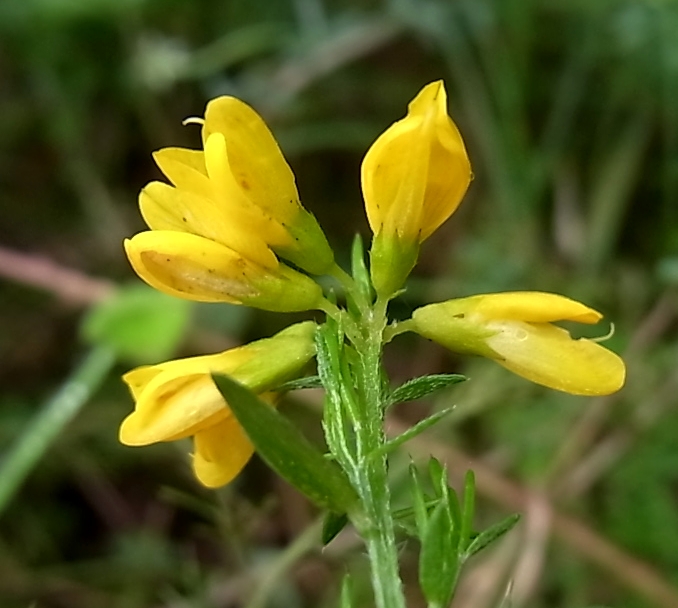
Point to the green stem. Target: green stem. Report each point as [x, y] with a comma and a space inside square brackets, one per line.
[397, 328]
[343, 277]
[51, 420]
[371, 477]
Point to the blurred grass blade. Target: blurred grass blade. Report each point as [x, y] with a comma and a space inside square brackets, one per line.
[52, 419]
[612, 192]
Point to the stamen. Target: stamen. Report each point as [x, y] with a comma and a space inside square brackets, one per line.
[193, 120]
[605, 337]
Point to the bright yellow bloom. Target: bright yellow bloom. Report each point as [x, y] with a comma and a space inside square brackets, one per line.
[413, 178]
[190, 266]
[178, 399]
[238, 203]
[515, 329]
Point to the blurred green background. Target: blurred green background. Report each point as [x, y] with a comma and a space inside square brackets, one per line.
[570, 113]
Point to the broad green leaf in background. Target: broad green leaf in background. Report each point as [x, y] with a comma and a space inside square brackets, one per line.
[140, 324]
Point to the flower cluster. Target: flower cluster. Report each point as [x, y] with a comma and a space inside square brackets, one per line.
[229, 223]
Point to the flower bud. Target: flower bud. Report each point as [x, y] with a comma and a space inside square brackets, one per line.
[515, 329]
[413, 178]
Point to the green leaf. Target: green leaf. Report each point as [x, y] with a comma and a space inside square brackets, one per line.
[359, 269]
[438, 476]
[491, 534]
[287, 451]
[299, 384]
[333, 524]
[413, 431]
[139, 323]
[467, 511]
[418, 501]
[423, 386]
[438, 559]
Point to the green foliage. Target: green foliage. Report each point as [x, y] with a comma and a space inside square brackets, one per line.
[444, 528]
[287, 451]
[140, 324]
[421, 387]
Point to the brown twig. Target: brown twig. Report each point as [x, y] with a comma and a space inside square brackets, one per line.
[71, 286]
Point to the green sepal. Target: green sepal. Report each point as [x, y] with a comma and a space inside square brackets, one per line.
[332, 525]
[310, 249]
[140, 324]
[391, 261]
[488, 536]
[423, 386]
[287, 451]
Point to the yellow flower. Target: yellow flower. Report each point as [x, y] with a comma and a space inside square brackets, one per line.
[178, 399]
[413, 178]
[190, 266]
[230, 211]
[515, 329]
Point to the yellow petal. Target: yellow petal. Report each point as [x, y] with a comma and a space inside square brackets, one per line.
[170, 407]
[191, 267]
[416, 173]
[547, 355]
[166, 208]
[177, 398]
[531, 306]
[254, 158]
[239, 208]
[393, 177]
[137, 378]
[185, 169]
[221, 452]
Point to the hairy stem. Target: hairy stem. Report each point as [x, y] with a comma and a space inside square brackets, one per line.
[370, 478]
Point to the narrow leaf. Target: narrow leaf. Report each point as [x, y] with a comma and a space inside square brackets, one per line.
[359, 269]
[438, 560]
[287, 451]
[418, 501]
[491, 534]
[468, 511]
[438, 476]
[332, 525]
[299, 384]
[410, 433]
[423, 386]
